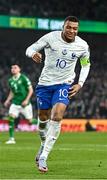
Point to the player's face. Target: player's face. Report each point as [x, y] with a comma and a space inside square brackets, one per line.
[70, 30]
[15, 69]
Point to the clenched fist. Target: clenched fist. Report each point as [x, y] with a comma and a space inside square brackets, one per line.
[37, 57]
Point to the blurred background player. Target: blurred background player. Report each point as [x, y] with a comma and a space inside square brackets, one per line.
[20, 93]
[55, 87]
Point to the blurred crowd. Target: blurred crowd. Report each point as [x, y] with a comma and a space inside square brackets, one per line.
[84, 9]
[90, 102]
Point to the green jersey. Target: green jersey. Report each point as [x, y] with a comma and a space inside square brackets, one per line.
[19, 87]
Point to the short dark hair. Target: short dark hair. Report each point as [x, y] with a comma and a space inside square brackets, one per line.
[71, 18]
[15, 64]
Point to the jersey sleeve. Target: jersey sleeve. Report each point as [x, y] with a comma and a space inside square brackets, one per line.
[9, 83]
[85, 57]
[38, 45]
[85, 65]
[27, 81]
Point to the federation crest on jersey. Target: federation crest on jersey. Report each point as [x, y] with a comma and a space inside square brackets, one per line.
[19, 82]
[73, 55]
[64, 51]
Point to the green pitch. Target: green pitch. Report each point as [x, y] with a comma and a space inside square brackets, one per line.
[75, 156]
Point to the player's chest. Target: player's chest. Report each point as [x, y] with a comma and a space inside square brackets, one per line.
[70, 52]
[16, 85]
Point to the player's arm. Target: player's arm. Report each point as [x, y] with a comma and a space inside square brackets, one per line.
[28, 97]
[33, 50]
[28, 85]
[9, 98]
[85, 68]
[82, 78]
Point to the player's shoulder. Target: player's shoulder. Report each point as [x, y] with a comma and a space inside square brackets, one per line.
[10, 79]
[24, 76]
[81, 41]
[53, 34]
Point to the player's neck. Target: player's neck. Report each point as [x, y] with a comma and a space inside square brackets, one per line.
[16, 76]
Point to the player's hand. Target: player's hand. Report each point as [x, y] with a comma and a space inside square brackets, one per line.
[73, 90]
[6, 103]
[24, 103]
[37, 57]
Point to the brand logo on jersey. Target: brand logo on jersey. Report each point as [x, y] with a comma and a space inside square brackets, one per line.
[73, 55]
[19, 82]
[53, 49]
[12, 83]
[39, 101]
[64, 51]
